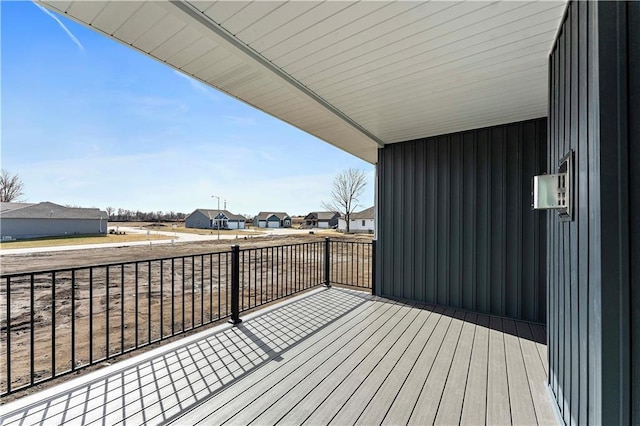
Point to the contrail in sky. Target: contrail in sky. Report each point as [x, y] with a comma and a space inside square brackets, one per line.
[66, 30]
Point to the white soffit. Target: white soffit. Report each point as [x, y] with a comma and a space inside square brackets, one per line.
[355, 74]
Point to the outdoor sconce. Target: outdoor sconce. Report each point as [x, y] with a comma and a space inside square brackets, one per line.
[555, 191]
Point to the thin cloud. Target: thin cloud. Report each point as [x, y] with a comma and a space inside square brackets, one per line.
[241, 121]
[197, 85]
[66, 30]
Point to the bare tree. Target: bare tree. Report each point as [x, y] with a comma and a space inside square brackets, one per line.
[110, 211]
[10, 187]
[347, 187]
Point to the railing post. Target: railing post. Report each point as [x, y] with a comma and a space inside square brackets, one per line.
[373, 267]
[235, 285]
[327, 263]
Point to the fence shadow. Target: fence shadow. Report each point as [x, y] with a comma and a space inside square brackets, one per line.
[157, 389]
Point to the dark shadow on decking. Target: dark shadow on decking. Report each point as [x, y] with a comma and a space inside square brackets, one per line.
[532, 331]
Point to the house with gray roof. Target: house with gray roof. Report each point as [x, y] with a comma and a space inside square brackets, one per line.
[46, 219]
[272, 220]
[363, 221]
[322, 220]
[214, 219]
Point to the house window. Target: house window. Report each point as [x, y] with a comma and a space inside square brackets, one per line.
[363, 223]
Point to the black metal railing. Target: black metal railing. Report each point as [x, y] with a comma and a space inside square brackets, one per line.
[59, 321]
[351, 263]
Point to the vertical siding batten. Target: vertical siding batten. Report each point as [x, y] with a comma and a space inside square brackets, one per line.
[634, 206]
[582, 212]
[573, 235]
[594, 412]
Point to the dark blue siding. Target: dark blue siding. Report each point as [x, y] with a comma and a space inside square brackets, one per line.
[456, 226]
[589, 267]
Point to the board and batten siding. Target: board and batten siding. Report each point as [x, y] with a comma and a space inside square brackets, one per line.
[455, 221]
[593, 110]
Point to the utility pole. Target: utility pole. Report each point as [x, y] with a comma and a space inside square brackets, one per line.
[217, 221]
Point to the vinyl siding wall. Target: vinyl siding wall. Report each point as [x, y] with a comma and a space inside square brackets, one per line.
[455, 221]
[34, 228]
[589, 275]
[198, 220]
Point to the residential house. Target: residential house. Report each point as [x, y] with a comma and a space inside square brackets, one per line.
[458, 105]
[322, 220]
[272, 220]
[214, 219]
[46, 219]
[363, 221]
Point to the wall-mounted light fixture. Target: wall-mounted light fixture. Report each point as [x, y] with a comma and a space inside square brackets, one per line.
[555, 191]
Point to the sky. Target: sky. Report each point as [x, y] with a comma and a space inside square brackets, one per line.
[86, 121]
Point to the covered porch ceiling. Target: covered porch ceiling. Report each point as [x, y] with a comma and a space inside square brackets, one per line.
[357, 75]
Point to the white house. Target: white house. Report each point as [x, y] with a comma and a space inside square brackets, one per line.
[46, 219]
[214, 219]
[363, 221]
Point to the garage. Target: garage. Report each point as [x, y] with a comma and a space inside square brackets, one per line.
[273, 222]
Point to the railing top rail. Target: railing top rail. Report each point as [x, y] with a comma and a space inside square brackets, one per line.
[307, 243]
[133, 262]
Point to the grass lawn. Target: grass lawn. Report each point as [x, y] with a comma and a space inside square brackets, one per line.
[79, 239]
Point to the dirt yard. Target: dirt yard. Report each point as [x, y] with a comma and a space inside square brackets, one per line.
[133, 305]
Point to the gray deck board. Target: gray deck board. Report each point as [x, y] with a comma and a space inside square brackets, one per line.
[402, 406]
[332, 356]
[293, 388]
[535, 371]
[474, 408]
[426, 407]
[320, 385]
[498, 403]
[376, 409]
[539, 333]
[351, 408]
[230, 401]
[345, 403]
[450, 406]
[522, 409]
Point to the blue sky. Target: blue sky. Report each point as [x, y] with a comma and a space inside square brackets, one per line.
[91, 122]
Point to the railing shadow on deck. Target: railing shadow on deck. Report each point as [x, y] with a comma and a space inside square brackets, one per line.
[163, 386]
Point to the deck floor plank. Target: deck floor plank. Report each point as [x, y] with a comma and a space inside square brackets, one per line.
[536, 376]
[474, 406]
[453, 396]
[318, 383]
[331, 356]
[264, 378]
[426, 407]
[377, 407]
[539, 335]
[521, 402]
[402, 406]
[345, 404]
[498, 404]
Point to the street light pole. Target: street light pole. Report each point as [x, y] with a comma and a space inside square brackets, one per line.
[217, 221]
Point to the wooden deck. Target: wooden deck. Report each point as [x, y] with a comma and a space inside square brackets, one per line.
[332, 356]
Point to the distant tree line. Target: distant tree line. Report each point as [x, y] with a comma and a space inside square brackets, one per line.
[124, 215]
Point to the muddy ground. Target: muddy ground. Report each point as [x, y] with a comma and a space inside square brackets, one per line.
[98, 256]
